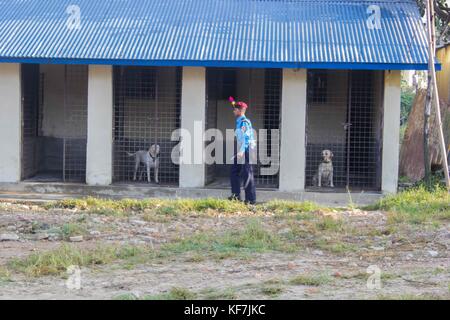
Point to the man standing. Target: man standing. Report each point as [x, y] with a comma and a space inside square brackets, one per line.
[242, 170]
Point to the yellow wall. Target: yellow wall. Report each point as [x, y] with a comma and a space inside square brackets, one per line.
[443, 77]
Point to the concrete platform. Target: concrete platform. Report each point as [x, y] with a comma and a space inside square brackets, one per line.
[33, 191]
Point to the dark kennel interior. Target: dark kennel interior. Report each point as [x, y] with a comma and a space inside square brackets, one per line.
[54, 123]
[344, 115]
[147, 110]
[261, 89]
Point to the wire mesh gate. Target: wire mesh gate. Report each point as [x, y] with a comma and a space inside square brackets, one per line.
[147, 110]
[54, 130]
[75, 122]
[30, 120]
[261, 89]
[345, 116]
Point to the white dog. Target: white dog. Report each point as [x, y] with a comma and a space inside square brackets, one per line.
[150, 159]
[325, 172]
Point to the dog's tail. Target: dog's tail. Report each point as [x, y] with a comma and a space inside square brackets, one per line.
[130, 154]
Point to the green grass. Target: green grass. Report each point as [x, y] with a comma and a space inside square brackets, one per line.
[272, 290]
[329, 224]
[311, 280]
[184, 294]
[5, 275]
[158, 206]
[56, 262]
[215, 294]
[289, 207]
[253, 238]
[416, 206]
[174, 294]
[69, 230]
[411, 297]
[162, 207]
[335, 246]
[125, 297]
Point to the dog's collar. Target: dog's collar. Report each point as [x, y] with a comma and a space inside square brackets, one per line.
[154, 158]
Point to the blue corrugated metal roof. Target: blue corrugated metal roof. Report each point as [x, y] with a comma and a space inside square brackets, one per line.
[242, 33]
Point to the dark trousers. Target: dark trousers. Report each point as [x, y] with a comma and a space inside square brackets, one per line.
[242, 172]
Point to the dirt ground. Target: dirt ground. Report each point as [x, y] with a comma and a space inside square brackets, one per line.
[413, 261]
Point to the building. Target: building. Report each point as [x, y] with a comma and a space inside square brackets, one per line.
[443, 77]
[83, 84]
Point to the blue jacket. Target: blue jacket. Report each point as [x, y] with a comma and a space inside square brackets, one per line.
[244, 134]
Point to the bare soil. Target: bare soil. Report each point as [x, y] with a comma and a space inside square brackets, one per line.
[414, 260]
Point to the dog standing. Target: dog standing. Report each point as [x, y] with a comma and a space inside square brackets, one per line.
[325, 172]
[150, 159]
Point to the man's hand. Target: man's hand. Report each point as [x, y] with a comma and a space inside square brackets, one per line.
[240, 155]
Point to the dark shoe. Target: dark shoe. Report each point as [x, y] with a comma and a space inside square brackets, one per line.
[234, 198]
[250, 202]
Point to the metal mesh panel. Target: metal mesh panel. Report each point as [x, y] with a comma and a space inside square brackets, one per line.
[261, 89]
[75, 122]
[211, 119]
[54, 132]
[147, 106]
[344, 117]
[30, 120]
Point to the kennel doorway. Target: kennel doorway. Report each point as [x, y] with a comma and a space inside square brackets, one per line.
[344, 115]
[147, 110]
[54, 123]
[261, 89]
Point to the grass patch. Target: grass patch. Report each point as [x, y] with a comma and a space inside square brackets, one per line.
[69, 230]
[56, 262]
[169, 208]
[183, 294]
[335, 246]
[5, 275]
[417, 206]
[252, 238]
[289, 207]
[311, 280]
[174, 294]
[329, 224]
[272, 290]
[158, 206]
[125, 297]
[411, 297]
[214, 294]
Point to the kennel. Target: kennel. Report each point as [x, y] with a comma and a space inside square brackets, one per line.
[147, 110]
[344, 115]
[261, 89]
[54, 122]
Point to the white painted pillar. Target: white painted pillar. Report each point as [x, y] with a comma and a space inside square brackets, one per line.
[10, 122]
[100, 126]
[391, 131]
[193, 117]
[293, 131]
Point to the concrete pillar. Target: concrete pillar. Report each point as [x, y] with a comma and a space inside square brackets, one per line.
[193, 117]
[391, 131]
[293, 128]
[100, 126]
[10, 122]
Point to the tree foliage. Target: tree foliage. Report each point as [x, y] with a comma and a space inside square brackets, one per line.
[442, 19]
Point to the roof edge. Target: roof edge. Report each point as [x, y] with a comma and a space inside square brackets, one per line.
[225, 64]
